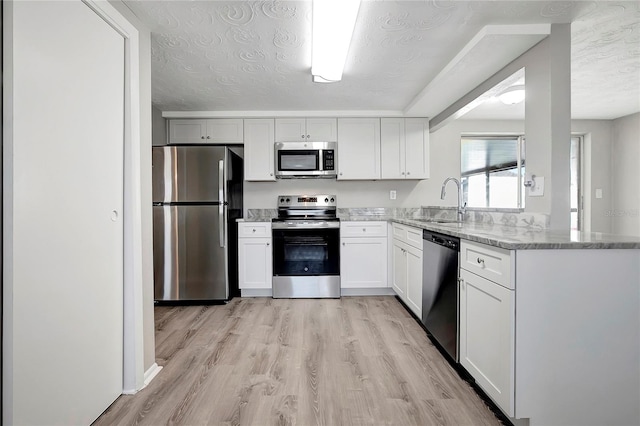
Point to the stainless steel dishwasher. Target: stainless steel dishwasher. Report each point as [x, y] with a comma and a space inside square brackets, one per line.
[440, 289]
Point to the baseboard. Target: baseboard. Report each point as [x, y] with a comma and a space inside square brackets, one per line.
[255, 292]
[149, 375]
[380, 291]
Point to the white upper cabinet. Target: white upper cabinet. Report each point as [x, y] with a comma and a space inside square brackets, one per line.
[196, 131]
[306, 130]
[358, 148]
[405, 148]
[259, 160]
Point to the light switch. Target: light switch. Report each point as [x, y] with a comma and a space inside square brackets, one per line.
[598, 192]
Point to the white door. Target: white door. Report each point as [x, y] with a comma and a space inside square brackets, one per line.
[414, 280]
[363, 262]
[66, 270]
[359, 148]
[399, 271]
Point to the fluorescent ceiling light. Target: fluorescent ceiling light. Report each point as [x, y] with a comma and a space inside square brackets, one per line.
[333, 23]
[512, 95]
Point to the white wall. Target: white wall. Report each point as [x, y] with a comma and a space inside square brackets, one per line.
[159, 127]
[262, 195]
[626, 175]
[547, 119]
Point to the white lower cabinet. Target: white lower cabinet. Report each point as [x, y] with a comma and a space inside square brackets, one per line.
[487, 331]
[407, 266]
[254, 255]
[363, 254]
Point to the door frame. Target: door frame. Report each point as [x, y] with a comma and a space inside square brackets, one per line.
[133, 345]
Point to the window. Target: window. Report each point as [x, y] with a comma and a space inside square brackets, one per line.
[492, 171]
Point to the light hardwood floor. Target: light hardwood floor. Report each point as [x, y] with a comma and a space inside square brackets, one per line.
[349, 361]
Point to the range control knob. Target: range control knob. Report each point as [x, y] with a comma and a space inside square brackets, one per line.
[282, 200]
[288, 200]
[326, 200]
[332, 200]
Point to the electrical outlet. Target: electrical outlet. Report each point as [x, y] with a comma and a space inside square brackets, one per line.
[392, 194]
[537, 190]
[598, 192]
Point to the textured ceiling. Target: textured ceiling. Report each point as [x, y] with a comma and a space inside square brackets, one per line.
[255, 55]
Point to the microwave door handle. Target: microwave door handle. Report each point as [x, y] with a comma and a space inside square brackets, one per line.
[221, 223]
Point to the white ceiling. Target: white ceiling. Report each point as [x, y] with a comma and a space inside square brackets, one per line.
[255, 55]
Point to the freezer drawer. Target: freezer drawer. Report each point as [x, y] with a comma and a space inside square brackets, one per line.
[189, 254]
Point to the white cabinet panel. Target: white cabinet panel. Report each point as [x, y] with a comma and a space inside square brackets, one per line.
[392, 148]
[259, 160]
[322, 129]
[416, 132]
[187, 131]
[399, 275]
[407, 267]
[225, 130]
[358, 148]
[306, 130]
[487, 336]
[217, 130]
[255, 267]
[414, 280]
[254, 263]
[489, 262]
[291, 130]
[363, 262]
[405, 148]
[363, 229]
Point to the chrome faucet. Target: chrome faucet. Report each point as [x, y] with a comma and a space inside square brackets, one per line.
[461, 206]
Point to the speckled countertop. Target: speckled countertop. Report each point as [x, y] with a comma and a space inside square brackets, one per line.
[523, 238]
[498, 233]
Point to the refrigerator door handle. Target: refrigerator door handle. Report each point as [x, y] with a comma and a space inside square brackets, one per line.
[222, 225]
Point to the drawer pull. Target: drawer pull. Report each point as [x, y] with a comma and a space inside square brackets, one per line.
[364, 229]
[480, 262]
[254, 230]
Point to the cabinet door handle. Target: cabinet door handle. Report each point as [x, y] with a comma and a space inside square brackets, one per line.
[344, 244]
[201, 137]
[308, 136]
[302, 136]
[461, 281]
[208, 137]
[270, 174]
[480, 262]
[268, 243]
[408, 173]
[402, 173]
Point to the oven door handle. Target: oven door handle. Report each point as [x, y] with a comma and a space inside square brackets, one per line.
[323, 225]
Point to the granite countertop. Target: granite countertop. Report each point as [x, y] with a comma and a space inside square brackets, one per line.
[523, 238]
[498, 234]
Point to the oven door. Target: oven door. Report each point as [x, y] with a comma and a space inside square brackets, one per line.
[306, 263]
[300, 252]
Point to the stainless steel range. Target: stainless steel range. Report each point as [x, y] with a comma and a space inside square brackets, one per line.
[306, 247]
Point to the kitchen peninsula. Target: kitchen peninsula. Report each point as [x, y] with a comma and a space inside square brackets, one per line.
[549, 319]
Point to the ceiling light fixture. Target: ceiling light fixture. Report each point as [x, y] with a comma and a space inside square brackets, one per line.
[512, 95]
[333, 24]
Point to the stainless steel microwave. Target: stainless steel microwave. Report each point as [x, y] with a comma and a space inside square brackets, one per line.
[306, 159]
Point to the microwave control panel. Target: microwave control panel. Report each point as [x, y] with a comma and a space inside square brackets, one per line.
[328, 159]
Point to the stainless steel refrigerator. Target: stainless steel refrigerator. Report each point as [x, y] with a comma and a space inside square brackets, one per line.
[197, 197]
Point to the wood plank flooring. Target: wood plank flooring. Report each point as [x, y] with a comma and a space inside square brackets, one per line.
[349, 361]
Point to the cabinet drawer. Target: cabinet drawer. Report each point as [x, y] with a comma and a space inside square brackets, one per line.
[363, 229]
[408, 234]
[492, 263]
[254, 229]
